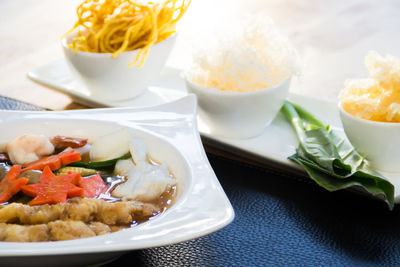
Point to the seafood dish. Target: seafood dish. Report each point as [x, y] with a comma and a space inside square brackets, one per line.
[61, 188]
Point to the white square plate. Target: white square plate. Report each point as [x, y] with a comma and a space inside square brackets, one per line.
[171, 135]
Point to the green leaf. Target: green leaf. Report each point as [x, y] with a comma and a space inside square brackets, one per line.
[330, 160]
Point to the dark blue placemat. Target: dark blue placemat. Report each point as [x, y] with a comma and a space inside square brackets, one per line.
[9, 103]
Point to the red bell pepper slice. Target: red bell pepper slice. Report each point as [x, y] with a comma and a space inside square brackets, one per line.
[10, 185]
[93, 186]
[53, 189]
[54, 162]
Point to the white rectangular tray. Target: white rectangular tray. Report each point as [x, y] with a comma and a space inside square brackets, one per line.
[274, 145]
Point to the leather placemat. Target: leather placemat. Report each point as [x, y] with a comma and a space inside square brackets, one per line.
[284, 222]
[9, 103]
[280, 221]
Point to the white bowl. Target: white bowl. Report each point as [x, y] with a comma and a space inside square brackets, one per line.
[170, 134]
[239, 114]
[112, 79]
[378, 142]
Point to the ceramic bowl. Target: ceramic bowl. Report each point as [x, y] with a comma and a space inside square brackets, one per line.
[111, 79]
[239, 114]
[379, 142]
[170, 134]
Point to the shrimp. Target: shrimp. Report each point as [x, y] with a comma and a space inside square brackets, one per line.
[28, 148]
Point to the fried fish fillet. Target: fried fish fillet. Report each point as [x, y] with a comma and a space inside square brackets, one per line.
[67, 230]
[78, 218]
[23, 233]
[85, 210]
[53, 231]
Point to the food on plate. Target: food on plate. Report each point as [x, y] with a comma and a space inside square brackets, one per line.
[71, 220]
[249, 55]
[376, 98]
[63, 142]
[330, 160]
[64, 194]
[145, 181]
[116, 26]
[28, 148]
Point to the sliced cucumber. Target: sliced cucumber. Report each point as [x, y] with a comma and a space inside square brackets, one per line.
[98, 164]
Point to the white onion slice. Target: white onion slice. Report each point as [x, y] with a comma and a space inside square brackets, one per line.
[110, 146]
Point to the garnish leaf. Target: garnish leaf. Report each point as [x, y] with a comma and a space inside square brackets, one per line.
[330, 160]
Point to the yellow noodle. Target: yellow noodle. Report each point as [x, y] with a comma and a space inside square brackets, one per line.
[116, 26]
